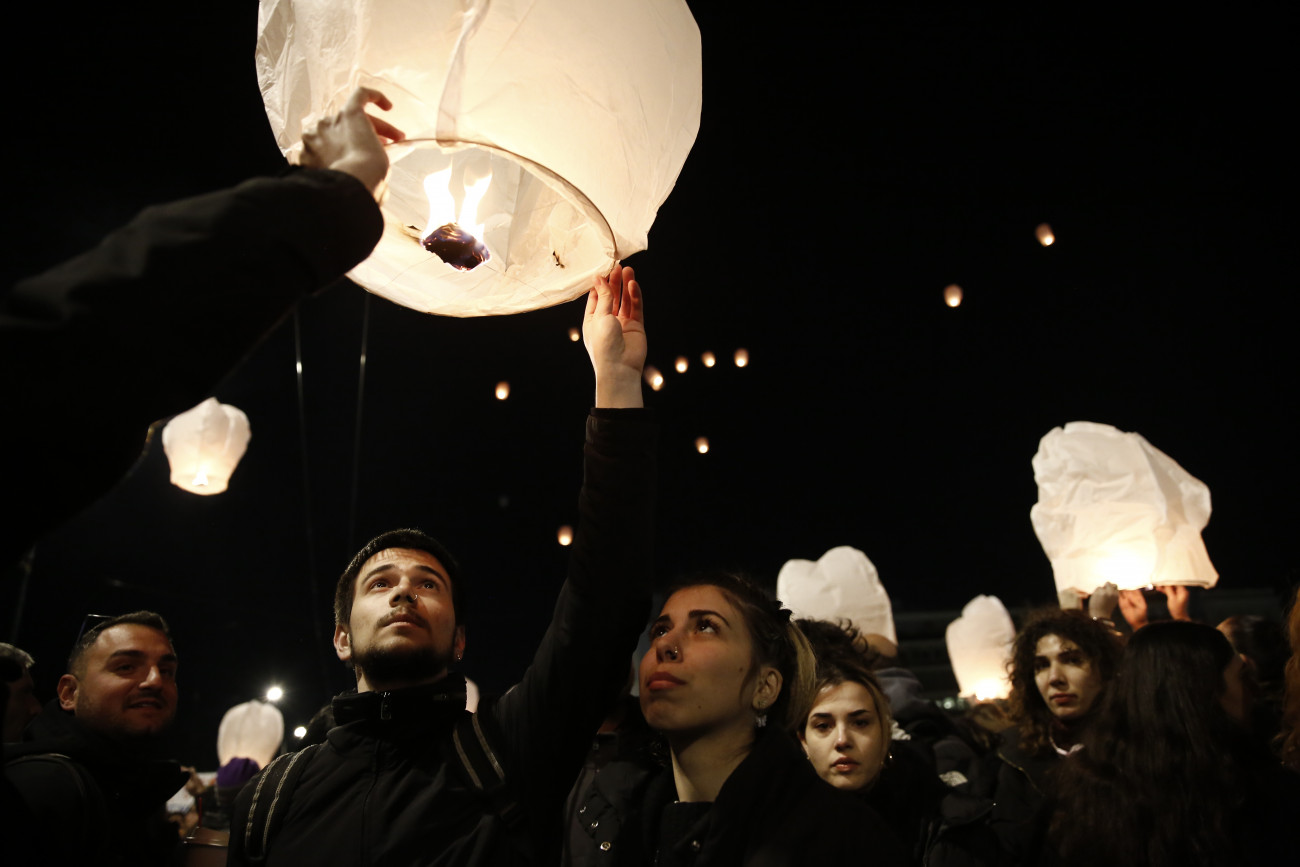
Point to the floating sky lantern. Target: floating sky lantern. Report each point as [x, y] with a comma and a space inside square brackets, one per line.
[203, 446]
[681, 364]
[1044, 235]
[979, 645]
[653, 377]
[742, 357]
[952, 295]
[503, 390]
[575, 335]
[1113, 507]
[843, 584]
[252, 730]
[564, 535]
[702, 445]
[541, 137]
[709, 359]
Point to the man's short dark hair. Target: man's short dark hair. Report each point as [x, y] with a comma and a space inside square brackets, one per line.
[143, 618]
[417, 540]
[14, 662]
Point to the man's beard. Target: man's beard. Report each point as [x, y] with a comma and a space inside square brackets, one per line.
[402, 665]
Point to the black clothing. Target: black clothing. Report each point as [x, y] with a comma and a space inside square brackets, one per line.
[772, 810]
[1019, 815]
[147, 323]
[381, 789]
[85, 798]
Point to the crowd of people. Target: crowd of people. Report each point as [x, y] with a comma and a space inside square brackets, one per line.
[754, 738]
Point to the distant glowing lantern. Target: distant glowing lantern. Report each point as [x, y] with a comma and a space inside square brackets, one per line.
[565, 535]
[681, 364]
[1044, 235]
[702, 445]
[1113, 507]
[503, 390]
[979, 645]
[952, 295]
[541, 137]
[252, 730]
[203, 446]
[843, 584]
[653, 377]
[742, 357]
[709, 359]
[300, 732]
[575, 335]
[274, 694]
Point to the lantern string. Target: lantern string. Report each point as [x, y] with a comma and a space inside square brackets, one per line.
[356, 433]
[307, 500]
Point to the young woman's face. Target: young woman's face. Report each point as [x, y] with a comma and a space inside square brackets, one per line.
[845, 737]
[699, 674]
[1066, 677]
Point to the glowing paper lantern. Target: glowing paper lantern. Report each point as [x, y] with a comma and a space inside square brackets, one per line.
[702, 445]
[575, 335]
[709, 359]
[252, 730]
[979, 645]
[1113, 507]
[564, 535]
[503, 390]
[952, 295]
[1044, 235]
[843, 584]
[653, 377]
[549, 131]
[203, 446]
[681, 364]
[742, 357]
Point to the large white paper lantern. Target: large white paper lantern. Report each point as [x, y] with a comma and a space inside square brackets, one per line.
[570, 118]
[842, 585]
[203, 446]
[1113, 507]
[252, 730]
[979, 645]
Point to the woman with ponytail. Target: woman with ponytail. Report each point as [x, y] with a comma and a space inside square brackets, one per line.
[727, 679]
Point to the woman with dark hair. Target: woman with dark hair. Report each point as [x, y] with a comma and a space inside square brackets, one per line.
[1061, 664]
[1261, 643]
[726, 679]
[1169, 775]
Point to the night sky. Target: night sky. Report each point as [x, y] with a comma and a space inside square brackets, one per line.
[849, 166]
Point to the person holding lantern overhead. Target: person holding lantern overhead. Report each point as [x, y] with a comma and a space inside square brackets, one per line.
[407, 775]
[1062, 662]
[112, 334]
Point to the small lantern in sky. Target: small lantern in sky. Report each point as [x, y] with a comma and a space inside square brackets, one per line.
[702, 445]
[575, 335]
[742, 357]
[952, 295]
[564, 535]
[653, 377]
[1044, 235]
[541, 137]
[203, 446]
[1113, 507]
[843, 584]
[252, 730]
[681, 364]
[503, 390]
[979, 645]
[709, 359]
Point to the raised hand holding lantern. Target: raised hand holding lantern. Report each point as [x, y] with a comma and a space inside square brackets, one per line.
[542, 136]
[1112, 507]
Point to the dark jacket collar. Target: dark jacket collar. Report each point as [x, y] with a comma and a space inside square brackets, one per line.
[413, 707]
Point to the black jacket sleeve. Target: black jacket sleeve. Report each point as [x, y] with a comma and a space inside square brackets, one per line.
[145, 324]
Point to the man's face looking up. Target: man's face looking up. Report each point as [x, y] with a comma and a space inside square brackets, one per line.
[402, 629]
[124, 685]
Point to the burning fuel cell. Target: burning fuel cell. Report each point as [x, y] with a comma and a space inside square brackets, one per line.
[457, 243]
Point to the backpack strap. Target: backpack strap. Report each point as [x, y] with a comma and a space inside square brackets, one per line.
[93, 825]
[479, 766]
[270, 802]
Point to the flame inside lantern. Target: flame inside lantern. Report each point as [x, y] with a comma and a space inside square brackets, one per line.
[455, 241]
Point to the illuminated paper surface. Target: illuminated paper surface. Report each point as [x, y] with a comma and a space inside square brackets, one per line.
[979, 645]
[843, 584]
